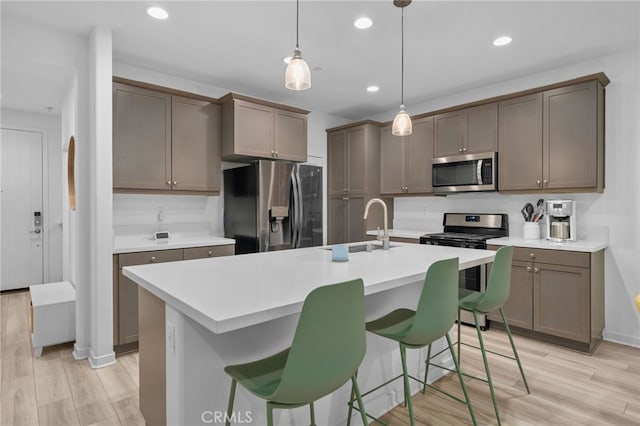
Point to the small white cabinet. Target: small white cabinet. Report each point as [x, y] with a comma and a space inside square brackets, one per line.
[53, 314]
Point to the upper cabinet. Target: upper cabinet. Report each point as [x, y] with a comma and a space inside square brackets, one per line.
[164, 142]
[253, 129]
[405, 163]
[466, 131]
[553, 140]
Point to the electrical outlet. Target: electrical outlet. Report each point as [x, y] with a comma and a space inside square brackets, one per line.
[171, 338]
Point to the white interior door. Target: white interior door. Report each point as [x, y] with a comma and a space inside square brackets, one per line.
[22, 225]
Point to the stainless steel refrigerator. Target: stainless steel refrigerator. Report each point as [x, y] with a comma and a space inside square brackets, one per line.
[273, 205]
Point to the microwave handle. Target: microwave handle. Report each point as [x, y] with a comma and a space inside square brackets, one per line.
[479, 171]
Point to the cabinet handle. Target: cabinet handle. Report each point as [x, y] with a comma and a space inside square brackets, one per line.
[535, 270]
[153, 259]
[538, 182]
[210, 253]
[175, 182]
[528, 268]
[545, 181]
[464, 149]
[459, 149]
[276, 154]
[531, 255]
[168, 182]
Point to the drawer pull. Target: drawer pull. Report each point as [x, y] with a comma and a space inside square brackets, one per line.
[210, 253]
[531, 255]
[528, 268]
[153, 259]
[535, 270]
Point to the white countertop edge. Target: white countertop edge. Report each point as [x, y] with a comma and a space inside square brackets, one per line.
[132, 245]
[400, 233]
[586, 246]
[247, 320]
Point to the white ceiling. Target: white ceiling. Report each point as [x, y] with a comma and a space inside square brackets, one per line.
[239, 45]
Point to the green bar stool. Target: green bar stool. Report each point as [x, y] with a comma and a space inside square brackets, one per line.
[433, 318]
[495, 296]
[328, 346]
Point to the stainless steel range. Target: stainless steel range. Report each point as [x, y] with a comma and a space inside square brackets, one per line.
[470, 230]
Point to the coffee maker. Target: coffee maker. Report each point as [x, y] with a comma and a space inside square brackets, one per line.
[561, 220]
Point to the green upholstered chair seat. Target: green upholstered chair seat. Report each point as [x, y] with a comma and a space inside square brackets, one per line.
[261, 377]
[394, 325]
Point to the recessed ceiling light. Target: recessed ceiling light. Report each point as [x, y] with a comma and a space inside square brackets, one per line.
[286, 60]
[363, 23]
[502, 41]
[372, 89]
[157, 12]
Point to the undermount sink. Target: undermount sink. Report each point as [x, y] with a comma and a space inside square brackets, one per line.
[364, 247]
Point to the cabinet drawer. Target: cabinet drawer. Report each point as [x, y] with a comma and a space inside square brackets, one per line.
[210, 251]
[555, 257]
[143, 258]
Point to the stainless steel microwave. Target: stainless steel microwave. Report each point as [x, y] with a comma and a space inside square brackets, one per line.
[465, 173]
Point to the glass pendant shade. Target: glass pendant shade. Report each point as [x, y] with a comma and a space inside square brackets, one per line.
[402, 125]
[297, 76]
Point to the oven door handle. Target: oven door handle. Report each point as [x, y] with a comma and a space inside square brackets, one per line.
[479, 171]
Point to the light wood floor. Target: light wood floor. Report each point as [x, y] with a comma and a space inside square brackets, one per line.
[567, 387]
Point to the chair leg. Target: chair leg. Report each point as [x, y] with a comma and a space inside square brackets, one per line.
[356, 389]
[407, 390]
[486, 367]
[464, 388]
[312, 415]
[269, 414]
[513, 346]
[459, 338]
[350, 406]
[426, 370]
[232, 395]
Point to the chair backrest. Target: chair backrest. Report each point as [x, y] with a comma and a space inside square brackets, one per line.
[438, 305]
[328, 346]
[499, 282]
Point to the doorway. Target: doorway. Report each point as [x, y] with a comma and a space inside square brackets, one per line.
[22, 214]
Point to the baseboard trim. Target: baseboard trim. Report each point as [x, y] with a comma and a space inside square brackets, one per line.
[101, 361]
[622, 339]
[80, 353]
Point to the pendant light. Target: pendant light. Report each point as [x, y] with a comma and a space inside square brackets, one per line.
[402, 122]
[297, 76]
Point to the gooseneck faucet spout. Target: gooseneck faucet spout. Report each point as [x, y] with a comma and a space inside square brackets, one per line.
[385, 237]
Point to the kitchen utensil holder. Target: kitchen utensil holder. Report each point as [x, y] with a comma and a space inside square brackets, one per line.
[531, 231]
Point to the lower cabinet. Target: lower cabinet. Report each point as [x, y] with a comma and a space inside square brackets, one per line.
[557, 295]
[125, 291]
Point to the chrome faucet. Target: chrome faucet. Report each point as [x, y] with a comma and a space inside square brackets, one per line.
[385, 237]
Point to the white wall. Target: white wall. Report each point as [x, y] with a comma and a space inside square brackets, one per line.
[613, 213]
[137, 214]
[49, 125]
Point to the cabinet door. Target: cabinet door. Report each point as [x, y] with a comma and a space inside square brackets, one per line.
[337, 162]
[357, 160]
[561, 301]
[141, 138]
[392, 156]
[355, 222]
[253, 129]
[570, 143]
[418, 155]
[195, 147]
[520, 143]
[519, 306]
[449, 134]
[482, 129]
[290, 136]
[337, 220]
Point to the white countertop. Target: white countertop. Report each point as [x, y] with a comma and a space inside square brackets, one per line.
[400, 233]
[589, 246]
[229, 293]
[136, 243]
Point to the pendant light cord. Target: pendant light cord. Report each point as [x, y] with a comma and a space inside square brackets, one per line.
[297, 21]
[402, 60]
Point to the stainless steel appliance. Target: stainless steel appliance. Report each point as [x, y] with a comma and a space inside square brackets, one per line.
[470, 230]
[465, 173]
[273, 205]
[561, 220]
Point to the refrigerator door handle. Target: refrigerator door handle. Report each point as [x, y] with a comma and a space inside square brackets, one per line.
[296, 201]
[299, 213]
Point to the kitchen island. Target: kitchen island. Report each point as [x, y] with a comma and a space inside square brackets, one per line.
[223, 311]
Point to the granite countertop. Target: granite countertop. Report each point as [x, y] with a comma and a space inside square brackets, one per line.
[137, 243]
[589, 246]
[229, 293]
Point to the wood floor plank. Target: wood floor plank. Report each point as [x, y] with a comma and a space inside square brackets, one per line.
[19, 402]
[59, 413]
[117, 382]
[111, 421]
[128, 410]
[130, 362]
